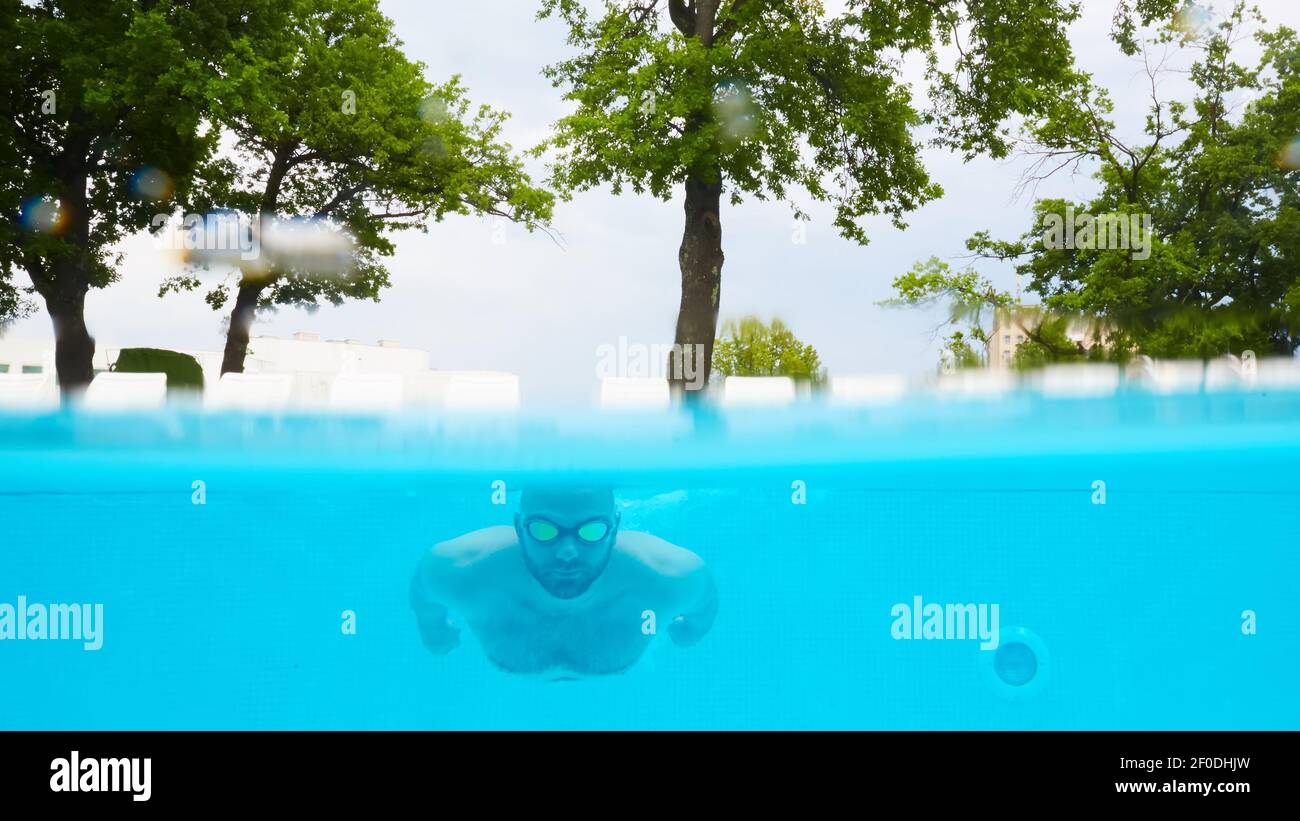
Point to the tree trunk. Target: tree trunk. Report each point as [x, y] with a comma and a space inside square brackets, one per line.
[241, 318]
[66, 281]
[241, 322]
[74, 349]
[700, 258]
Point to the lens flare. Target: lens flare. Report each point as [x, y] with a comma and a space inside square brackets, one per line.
[433, 110]
[1192, 20]
[434, 147]
[41, 215]
[1288, 159]
[735, 111]
[152, 183]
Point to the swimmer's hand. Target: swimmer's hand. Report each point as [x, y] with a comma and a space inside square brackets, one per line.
[440, 636]
[696, 620]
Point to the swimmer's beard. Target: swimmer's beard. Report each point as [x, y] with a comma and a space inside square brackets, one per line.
[562, 588]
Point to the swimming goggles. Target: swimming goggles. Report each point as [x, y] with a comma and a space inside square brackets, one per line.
[546, 531]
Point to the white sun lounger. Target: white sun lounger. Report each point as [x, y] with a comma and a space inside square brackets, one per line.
[250, 392]
[758, 390]
[867, 389]
[126, 391]
[28, 391]
[634, 392]
[1166, 376]
[1077, 380]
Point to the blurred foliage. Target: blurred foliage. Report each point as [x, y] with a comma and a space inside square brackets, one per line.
[962, 350]
[748, 347]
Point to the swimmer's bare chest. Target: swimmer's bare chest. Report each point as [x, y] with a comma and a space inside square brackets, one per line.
[605, 640]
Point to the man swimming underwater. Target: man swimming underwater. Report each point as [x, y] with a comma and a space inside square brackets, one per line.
[563, 593]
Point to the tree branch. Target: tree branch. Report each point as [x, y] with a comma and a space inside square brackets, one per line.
[275, 176]
[682, 13]
[642, 12]
[342, 196]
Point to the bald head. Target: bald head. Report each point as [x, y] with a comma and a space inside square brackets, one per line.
[569, 501]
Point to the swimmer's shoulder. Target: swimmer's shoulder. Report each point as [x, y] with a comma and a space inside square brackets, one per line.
[658, 556]
[458, 567]
[474, 549]
[675, 576]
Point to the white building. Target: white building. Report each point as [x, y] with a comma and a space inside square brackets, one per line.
[1011, 330]
[30, 356]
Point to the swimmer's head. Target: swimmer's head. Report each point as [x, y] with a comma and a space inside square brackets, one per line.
[567, 535]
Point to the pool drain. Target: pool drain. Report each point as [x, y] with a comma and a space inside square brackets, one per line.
[1020, 666]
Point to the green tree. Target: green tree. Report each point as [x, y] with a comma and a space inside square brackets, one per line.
[748, 347]
[972, 300]
[968, 297]
[757, 99]
[1218, 267]
[1225, 253]
[334, 126]
[98, 123]
[964, 349]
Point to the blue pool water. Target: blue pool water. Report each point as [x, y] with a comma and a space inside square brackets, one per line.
[228, 614]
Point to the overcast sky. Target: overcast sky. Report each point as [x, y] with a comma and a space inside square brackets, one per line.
[542, 311]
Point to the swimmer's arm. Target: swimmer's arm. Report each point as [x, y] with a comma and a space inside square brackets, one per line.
[429, 589]
[682, 578]
[701, 595]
